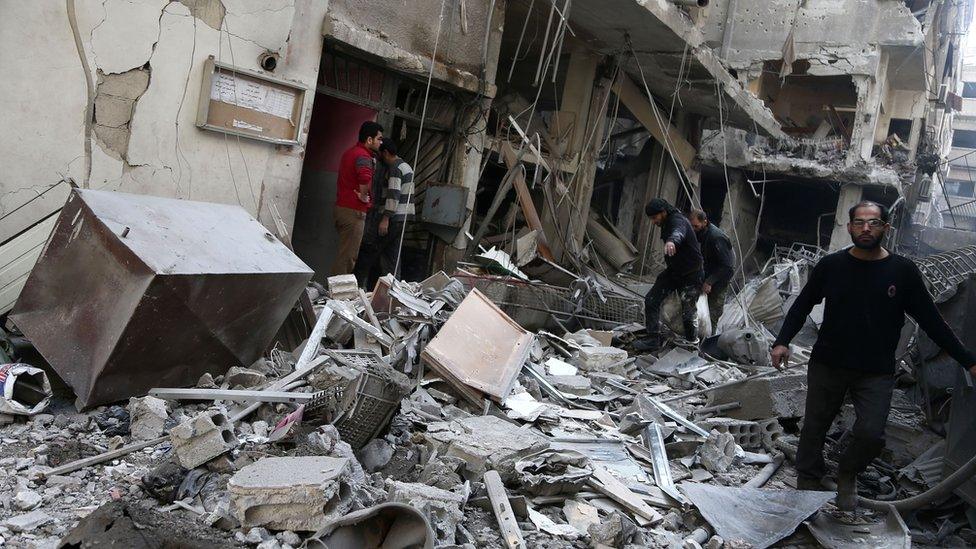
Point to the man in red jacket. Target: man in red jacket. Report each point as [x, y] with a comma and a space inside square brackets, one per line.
[353, 195]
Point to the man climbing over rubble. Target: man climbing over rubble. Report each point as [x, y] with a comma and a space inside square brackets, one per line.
[353, 197]
[867, 290]
[716, 249]
[683, 274]
[386, 220]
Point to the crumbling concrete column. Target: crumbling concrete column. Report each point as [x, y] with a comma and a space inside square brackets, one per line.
[582, 115]
[871, 91]
[740, 215]
[849, 196]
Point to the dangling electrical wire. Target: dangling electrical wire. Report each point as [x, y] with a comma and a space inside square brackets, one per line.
[420, 131]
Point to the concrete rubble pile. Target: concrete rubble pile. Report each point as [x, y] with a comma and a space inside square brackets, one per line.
[423, 411]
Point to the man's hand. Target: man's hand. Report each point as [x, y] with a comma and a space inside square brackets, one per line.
[706, 288]
[384, 227]
[780, 356]
[669, 249]
[363, 195]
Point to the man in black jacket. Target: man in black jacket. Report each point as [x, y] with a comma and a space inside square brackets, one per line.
[683, 274]
[716, 248]
[867, 290]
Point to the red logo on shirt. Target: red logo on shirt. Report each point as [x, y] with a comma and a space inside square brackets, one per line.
[892, 290]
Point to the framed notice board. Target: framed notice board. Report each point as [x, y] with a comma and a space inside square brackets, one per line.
[250, 104]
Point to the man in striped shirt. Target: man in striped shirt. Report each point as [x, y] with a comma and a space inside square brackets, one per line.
[386, 220]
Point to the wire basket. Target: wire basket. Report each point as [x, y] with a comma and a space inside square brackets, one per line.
[370, 402]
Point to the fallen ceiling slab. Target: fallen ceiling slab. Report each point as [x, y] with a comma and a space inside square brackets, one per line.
[659, 32]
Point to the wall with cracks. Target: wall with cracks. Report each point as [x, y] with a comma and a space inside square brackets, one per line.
[144, 61]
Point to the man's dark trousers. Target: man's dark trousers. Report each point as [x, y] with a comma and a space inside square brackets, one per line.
[377, 251]
[826, 388]
[688, 288]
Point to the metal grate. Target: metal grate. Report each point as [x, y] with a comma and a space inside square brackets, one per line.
[587, 305]
[946, 270]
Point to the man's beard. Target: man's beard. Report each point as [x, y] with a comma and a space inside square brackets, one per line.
[874, 243]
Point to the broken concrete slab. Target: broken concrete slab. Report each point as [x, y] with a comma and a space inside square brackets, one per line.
[442, 508]
[244, 377]
[580, 515]
[574, 385]
[147, 417]
[291, 493]
[25, 500]
[202, 438]
[167, 319]
[748, 434]
[765, 397]
[719, 452]
[28, 521]
[485, 442]
[598, 359]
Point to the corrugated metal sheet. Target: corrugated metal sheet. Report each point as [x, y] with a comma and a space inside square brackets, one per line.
[17, 258]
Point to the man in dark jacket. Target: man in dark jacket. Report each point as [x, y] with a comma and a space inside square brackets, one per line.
[683, 274]
[716, 248]
[867, 291]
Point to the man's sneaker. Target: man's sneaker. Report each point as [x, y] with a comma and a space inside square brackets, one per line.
[646, 345]
[807, 483]
[846, 492]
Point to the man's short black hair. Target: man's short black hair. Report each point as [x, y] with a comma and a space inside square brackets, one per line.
[869, 204]
[389, 146]
[700, 215]
[369, 129]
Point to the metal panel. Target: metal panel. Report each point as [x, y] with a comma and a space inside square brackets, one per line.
[134, 292]
[445, 205]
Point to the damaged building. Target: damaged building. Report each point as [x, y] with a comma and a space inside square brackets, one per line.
[176, 361]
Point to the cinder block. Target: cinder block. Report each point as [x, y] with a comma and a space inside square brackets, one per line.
[202, 438]
[747, 434]
[771, 431]
[291, 493]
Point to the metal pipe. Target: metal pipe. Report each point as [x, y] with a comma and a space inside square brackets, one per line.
[697, 3]
[766, 473]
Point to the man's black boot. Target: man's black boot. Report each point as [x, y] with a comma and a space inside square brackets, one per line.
[846, 492]
[646, 345]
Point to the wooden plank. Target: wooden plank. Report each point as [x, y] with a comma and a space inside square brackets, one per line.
[511, 534]
[644, 109]
[614, 489]
[525, 200]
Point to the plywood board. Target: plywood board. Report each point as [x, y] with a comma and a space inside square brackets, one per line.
[480, 346]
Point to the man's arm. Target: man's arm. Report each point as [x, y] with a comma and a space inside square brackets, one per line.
[810, 295]
[393, 186]
[919, 304]
[364, 176]
[678, 233]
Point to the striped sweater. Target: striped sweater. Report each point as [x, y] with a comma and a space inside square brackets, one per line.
[399, 191]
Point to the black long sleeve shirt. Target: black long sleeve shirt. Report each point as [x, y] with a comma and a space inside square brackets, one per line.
[865, 308]
[687, 259]
[716, 249]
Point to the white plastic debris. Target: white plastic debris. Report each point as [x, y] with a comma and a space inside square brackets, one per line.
[24, 390]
